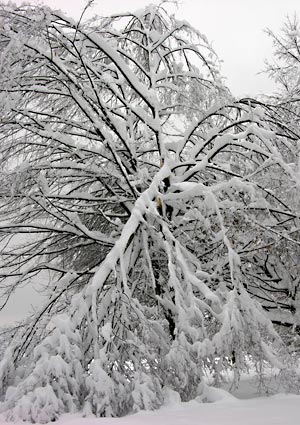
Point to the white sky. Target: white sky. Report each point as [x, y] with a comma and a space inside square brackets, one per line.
[234, 27]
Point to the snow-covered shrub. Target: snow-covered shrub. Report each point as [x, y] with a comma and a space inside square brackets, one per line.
[53, 381]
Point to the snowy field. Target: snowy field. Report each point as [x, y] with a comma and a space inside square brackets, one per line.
[279, 409]
[275, 410]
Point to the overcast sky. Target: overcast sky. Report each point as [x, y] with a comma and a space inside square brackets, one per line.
[234, 27]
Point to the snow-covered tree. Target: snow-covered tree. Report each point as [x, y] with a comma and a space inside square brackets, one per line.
[159, 205]
[285, 70]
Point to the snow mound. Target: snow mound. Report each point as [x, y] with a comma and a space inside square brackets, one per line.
[213, 395]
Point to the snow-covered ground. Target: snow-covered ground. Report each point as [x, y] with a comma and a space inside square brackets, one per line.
[279, 409]
[275, 410]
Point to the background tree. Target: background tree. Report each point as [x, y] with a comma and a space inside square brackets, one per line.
[285, 66]
[148, 193]
[284, 69]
